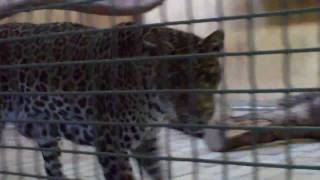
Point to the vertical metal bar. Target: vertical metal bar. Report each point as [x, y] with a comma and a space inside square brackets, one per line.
[12, 19]
[19, 154]
[140, 169]
[48, 15]
[164, 18]
[91, 68]
[168, 152]
[318, 35]
[3, 151]
[3, 156]
[50, 56]
[194, 143]
[36, 156]
[253, 83]
[223, 101]
[114, 38]
[90, 74]
[75, 157]
[29, 15]
[67, 16]
[286, 67]
[114, 51]
[18, 157]
[36, 166]
[82, 18]
[138, 20]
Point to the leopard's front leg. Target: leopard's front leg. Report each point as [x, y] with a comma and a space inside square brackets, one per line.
[149, 147]
[114, 167]
[51, 156]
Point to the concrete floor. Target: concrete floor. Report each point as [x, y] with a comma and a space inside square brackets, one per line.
[86, 166]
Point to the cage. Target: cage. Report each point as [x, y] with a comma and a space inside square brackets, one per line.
[192, 89]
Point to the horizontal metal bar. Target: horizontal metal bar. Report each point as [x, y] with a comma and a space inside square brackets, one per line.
[158, 91]
[257, 129]
[165, 158]
[33, 175]
[185, 57]
[257, 108]
[216, 19]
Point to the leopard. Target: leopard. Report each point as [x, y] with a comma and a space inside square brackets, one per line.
[102, 87]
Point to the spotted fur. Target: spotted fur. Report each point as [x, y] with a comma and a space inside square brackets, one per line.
[107, 108]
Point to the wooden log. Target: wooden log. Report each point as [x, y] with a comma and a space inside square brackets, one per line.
[232, 139]
[301, 110]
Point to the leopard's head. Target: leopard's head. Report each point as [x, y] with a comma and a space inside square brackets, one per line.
[199, 73]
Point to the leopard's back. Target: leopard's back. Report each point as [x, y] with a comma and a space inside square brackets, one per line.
[50, 48]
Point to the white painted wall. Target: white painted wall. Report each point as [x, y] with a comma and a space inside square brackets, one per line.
[302, 33]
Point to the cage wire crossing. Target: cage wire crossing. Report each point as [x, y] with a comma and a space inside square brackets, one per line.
[202, 95]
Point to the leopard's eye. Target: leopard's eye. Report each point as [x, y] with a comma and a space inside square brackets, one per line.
[208, 77]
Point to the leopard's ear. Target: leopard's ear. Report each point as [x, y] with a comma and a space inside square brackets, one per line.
[213, 42]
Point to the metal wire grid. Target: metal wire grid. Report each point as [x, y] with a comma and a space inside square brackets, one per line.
[252, 53]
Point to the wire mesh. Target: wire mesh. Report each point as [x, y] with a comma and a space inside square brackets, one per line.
[185, 158]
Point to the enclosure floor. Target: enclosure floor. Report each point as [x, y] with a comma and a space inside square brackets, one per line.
[303, 153]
